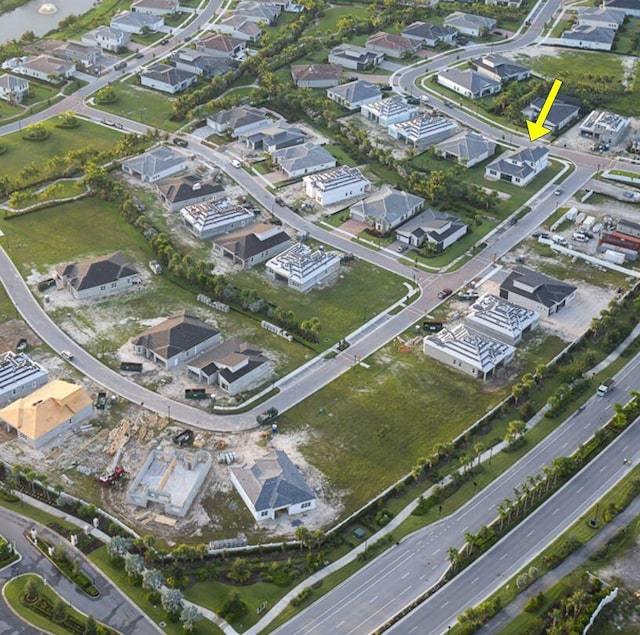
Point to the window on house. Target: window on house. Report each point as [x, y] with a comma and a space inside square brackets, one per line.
[103, 287]
[263, 514]
[305, 505]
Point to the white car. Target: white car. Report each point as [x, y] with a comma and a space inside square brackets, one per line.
[235, 163]
[67, 355]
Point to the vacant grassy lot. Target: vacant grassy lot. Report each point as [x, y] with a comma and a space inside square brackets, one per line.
[565, 63]
[60, 141]
[149, 107]
[328, 22]
[7, 310]
[369, 426]
[362, 291]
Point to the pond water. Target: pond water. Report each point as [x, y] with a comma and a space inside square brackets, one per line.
[27, 18]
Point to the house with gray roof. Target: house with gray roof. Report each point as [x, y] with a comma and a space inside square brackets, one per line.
[259, 12]
[468, 149]
[501, 68]
[392, 45]
[156, 7]
[76, 52]
[519, 168]
[189, 190]
[630, 7]
[601, 16]
[597, 38]
[175, 340]
[316, 75]
[273, 484]
[436, 228]
[470, 24]
[512, 4]
[240, 27]
[354, 95]
[386, 112]
[107, 38]
[97, 277]
[468, 82]
[274, 137]
[137, 23]
[13, 89]
[199, 63]
[239, 120]
[423, 130]
[560, 116]
[167, 78]
[19, 376]
[355, 57]
[536, 291]
[466, 351]
[221, 45]
[252, 245]
[47, 68]
[386, 209]
[303, 159]
[501, 320]
[430, 34]
[155, 164]
[233, 365]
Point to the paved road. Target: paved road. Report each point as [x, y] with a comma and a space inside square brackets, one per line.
[112, 607]
[528, 539]
[390, 582]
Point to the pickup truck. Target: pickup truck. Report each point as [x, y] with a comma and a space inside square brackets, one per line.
[605, 387]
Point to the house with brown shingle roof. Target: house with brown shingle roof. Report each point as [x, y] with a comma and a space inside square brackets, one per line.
[316, 75]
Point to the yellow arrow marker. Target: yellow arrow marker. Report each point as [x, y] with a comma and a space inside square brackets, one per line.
[537, 129]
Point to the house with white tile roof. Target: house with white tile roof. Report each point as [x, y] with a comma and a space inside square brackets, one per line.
[423, 130]
[386, 112]
[335, 185]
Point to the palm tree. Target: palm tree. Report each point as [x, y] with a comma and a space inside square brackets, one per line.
[453, 555]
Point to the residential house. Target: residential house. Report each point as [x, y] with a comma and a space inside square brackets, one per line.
[107, 38]
[220, 45]
[303, 159]
[19, 375]
[198, 63]
[335, 185]
[303, 269]
[189, 190]
[155, 164]
[423, 130]
[438, 229]
[501, 68]
[273, 484]
[519, 168]
[156, 7]
[212, 218]
[167, 78]
[396, 46]
[46, 413]
[601, 16]
[355, 57]
[501, 320]
[240, 28]
[431, 34]
[136, 23]
[79, 53]
[252, 245]
[13, 89]
[259, 12]
[316, 75]
[386, 209]
[560, 116]
[468, 82]
[469, 24]
[630, 7]
[354, 95]
[468, 352]
[386, 112]
[97, 277]
[595, 38]
[512, 4]
[239, 120]
[467, 149]
[274, 137]
[605, 127]
[233, 365]
[175, 340]
[536, 291]
[47, 68]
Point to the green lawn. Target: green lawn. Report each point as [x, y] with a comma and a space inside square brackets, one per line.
[361, 292]
[13, 592]
[340, 155]
[60, 141]
[58, 190]
[568, 62]
[327, 23]
[624, 42]
[101, 13]
[141, 104]
[369, 425]
[7, 310]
